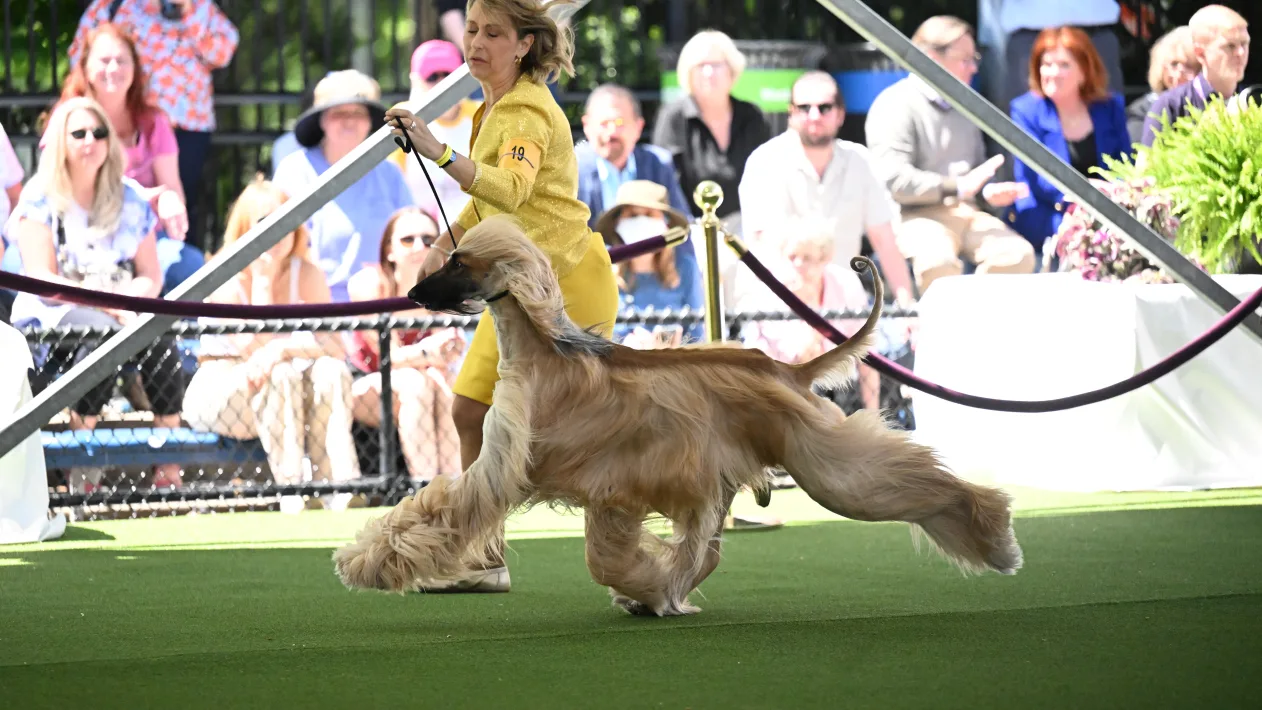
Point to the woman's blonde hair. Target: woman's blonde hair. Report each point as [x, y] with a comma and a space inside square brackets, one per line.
[255, 202]
[53, 173]
[664, 267]
[696, 49]
[552, 52]
[1177, 43]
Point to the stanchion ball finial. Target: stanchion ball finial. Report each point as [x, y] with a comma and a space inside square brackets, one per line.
[708, 196]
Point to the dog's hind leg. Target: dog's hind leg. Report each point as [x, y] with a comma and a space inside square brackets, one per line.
[694, 554]
[861, 469]
[638, 567]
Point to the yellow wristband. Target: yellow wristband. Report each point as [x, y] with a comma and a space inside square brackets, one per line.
[446, 158]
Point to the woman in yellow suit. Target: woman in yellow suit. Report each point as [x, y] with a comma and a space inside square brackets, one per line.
[521, 162]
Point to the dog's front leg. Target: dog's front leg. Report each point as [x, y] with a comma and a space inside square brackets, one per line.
[449, 525]
[497, 481]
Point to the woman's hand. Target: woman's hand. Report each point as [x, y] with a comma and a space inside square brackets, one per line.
[124, 318]
[173, 214]
[426, 144]
[260, 365]
[443, 345]
[640, 338]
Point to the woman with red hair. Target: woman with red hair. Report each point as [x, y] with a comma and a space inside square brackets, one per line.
[109, 71]
[1070, 110]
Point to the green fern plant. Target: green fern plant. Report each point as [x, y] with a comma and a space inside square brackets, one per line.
[1207, 163]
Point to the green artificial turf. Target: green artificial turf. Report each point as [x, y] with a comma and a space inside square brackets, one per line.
[1127, 600]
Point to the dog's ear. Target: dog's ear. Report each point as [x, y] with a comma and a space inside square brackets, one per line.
[534, 285]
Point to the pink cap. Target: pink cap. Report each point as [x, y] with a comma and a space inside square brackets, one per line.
[435, 56]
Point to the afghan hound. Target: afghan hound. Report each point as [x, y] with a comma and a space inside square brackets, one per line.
[624, 434]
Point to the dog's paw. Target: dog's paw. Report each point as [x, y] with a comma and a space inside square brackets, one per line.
[636, 608]
[632, 606]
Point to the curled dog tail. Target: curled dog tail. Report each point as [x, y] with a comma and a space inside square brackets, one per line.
[836, 367]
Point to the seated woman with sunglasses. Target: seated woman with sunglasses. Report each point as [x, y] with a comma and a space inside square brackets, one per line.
[423, 362]
[80, 222]
[291, 391]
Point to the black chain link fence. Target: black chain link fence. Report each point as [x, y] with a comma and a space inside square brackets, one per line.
[190, 426]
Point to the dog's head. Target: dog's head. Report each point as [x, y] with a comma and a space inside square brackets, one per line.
[463, 286]
[494, 259]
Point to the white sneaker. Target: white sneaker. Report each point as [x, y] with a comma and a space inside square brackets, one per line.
[485, 581]
[292, 504]
[343, 501]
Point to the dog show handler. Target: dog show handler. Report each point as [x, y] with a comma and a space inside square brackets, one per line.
[521, 162]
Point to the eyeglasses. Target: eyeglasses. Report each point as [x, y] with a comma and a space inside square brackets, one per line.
[100, 133]
[611, 123]
[408, 240]
[824, 109]
[974, 58]
[714, 66]
[437, 77]
[348, 113]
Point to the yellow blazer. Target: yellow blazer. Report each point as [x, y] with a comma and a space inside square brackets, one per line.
[523, 152]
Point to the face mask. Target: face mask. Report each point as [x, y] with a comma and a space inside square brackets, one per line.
[639, 228]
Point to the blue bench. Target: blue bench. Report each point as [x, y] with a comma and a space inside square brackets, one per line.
[145, 446]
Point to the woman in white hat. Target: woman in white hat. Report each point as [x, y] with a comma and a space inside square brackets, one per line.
[346, 232]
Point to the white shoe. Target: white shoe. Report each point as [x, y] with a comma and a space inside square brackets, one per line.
[343, 501]
[485, 581]
[292, 504]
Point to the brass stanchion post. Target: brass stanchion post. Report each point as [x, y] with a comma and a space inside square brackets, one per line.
[708, 196]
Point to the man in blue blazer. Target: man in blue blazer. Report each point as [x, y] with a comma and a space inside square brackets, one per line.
[612, 155]
[1037, 215]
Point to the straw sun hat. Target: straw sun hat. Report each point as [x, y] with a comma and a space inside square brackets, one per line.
[340, 88]
[638, 193]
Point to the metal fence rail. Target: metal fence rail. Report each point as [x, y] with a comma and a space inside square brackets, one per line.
[110, 471]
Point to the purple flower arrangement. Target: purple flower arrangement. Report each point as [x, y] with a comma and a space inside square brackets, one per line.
[1087, 246]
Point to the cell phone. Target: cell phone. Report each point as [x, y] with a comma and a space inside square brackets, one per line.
[171, 10]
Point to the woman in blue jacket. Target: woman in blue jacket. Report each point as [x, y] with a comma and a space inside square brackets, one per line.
[1070, 110]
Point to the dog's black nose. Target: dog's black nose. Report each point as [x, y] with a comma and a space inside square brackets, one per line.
[416, 294]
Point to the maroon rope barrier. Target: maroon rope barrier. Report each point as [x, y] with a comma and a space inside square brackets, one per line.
[199, 309]
[907, 377]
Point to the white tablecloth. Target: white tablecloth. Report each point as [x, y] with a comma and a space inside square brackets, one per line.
[24, 515]
[1052, 335]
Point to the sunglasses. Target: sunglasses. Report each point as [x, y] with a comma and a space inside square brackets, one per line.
[437, 77]
[824, 109]
[408, 240]
[100, 133]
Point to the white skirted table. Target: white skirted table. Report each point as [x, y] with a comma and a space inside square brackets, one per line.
[1051, 335]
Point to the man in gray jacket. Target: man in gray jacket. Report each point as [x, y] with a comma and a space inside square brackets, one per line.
[933, 160]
